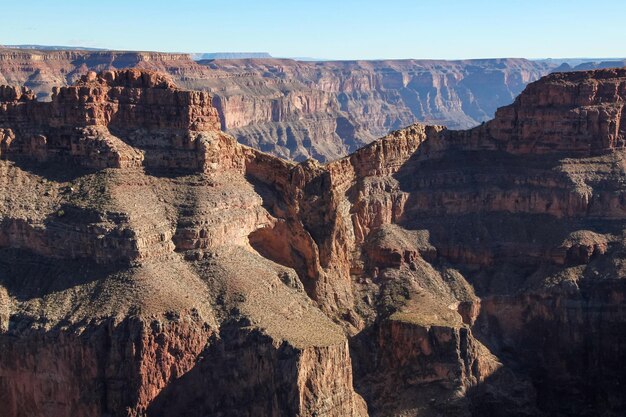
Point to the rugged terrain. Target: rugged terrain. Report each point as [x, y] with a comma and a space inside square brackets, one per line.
[298, 110]
[153, 266]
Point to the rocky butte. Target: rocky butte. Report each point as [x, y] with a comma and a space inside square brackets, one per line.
[297, 110]
[152, 266]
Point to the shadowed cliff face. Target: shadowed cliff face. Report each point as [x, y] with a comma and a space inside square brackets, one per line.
[529, 210]
[127, 274]
[148, 256]
[299, 110]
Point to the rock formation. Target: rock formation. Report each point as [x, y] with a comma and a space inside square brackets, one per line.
[153, 266]
[127, 275]
[325, 110]
[298, 110]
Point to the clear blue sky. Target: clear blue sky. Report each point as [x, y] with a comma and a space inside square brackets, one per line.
[337, 29]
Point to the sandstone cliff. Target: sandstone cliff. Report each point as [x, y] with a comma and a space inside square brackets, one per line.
[325, 110]
[126, 270]
[153, 266]
[298, 110]
[529, 208]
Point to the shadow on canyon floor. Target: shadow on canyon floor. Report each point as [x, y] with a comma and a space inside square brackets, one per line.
[241, 372]
[27, 275]
[53, 170]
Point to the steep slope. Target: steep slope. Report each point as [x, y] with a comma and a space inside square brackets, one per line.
[127, 276]
[358, 100]
[529, 208]
[153, 266]
[298, 110]
[478, 271]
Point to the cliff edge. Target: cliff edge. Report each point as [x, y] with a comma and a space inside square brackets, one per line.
[153, 266]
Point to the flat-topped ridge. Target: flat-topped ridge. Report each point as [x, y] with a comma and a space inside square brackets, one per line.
[95, 121]
[127, 99]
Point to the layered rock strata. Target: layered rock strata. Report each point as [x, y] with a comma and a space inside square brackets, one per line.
[298, 110]
[529, 209]
[433, 272]
[126, 269]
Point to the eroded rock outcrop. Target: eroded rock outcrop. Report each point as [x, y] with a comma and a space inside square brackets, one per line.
[479, 261]
[432, 272]
[126, 269]
[326, 110]
[529, 208]
[299, 110]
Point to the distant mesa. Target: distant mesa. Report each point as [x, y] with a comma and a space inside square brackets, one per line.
[54, 48]
[230, 55]
[587, 66]
[302, 108]
[574, 62]
[195, 56]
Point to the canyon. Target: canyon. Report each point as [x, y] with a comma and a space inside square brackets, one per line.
[151, 265]
[299, 110]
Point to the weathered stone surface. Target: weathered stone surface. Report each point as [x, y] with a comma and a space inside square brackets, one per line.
[529, 207]
[325, 110]
[122, 281]
[299, 110]
[432, 272]
[576, 113]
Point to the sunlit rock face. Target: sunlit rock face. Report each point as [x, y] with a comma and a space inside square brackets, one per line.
[153, 266]
[299, 110]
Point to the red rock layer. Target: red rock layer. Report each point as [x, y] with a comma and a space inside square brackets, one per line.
[298, 110]
[119, 286]
[120, 101]
[527, 215]
[473, 273]
[111, 367]
[529, 208]
[576, 112]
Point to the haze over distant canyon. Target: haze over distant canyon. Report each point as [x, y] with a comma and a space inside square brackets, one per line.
[299, 110]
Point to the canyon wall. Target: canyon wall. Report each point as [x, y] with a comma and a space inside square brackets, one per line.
[150, 257]
[127, 275]
[529, 209]
[299, 110]
[478, 272]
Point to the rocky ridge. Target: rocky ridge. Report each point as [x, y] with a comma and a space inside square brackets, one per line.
[124, 252]
[432, 272]
[297, 110]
